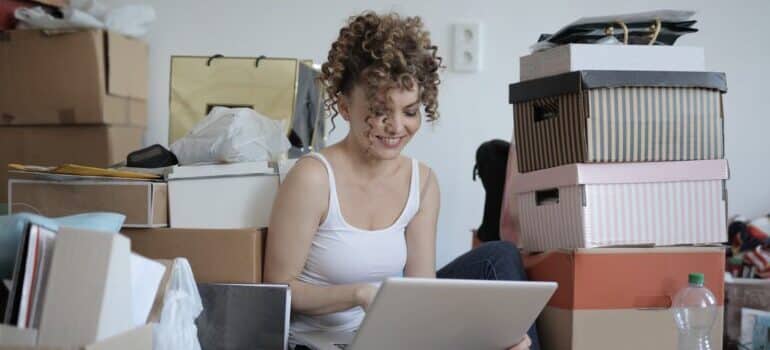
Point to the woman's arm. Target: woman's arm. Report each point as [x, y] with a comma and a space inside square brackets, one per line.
[297, 213]
[421, 231]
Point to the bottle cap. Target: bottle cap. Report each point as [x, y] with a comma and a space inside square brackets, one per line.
[696, 279]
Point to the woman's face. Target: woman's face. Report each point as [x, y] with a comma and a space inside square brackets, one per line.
[383, 136]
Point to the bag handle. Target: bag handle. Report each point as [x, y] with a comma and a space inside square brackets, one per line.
[212, 57]
[654, 28]
[655, 31]
[611, 30]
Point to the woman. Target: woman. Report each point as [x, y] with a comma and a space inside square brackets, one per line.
[367, 212]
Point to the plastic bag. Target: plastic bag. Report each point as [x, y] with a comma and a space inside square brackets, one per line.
[232, 135]
[181, 306]
[130, 20]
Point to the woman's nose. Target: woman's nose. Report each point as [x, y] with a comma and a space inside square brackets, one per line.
[394, 124]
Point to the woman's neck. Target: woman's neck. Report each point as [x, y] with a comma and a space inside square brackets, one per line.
[364, 163]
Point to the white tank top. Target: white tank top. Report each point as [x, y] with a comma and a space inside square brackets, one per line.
[343, 254]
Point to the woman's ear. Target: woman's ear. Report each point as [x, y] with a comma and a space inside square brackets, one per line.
[343, 106]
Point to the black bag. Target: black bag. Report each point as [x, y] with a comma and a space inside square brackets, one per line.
[491, 166]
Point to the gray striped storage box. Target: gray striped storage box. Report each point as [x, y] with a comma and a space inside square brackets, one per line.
[618, 116]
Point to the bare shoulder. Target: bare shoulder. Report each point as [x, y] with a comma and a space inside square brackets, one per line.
[307, 179]
[427, 179]
[308, 171]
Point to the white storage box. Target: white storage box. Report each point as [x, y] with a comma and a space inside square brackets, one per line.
[575, 57]
[622, 204]
[222, 196]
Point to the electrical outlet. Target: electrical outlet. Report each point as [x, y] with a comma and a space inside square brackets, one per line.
[467, 55]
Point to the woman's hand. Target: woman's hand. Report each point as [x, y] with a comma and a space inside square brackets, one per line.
[524, 344]
[364, 295]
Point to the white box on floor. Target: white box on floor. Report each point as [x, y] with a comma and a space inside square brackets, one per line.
[88, 294]
[622, 204]
[139, 338]
[222, 196]
[575, 57]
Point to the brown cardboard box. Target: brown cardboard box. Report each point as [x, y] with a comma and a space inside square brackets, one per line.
[72, 77]
[215, 256]
[628, 329]
[620, 298]
[144, 203]
[98, 146]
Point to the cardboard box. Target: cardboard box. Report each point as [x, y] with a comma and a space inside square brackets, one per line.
[99, 77]
[139, 338]
[222, 196]
[256, 316]
[87, 303]
[215, 256]
[622, 204]
[576, 57]
[620, 298]
[743, 293]
[618, 116]
[99, 146]
[144, 203]
[88, 289]
[628, 329]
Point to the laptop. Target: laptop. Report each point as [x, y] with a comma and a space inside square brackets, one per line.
[417, 313]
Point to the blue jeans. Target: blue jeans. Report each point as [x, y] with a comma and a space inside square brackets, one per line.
[497, 260]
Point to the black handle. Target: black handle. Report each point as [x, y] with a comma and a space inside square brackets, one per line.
[546, 197]
[546, 109]
[211, 58]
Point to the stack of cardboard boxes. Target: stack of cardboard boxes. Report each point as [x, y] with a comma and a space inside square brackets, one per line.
[612, 165]
[70, 97]
[79, 97]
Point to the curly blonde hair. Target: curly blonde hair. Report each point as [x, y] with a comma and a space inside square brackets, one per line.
[382, 52]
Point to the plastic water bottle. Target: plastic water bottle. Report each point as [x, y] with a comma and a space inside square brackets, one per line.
[695, 312]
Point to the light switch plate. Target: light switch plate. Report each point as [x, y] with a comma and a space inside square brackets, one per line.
[467, 55]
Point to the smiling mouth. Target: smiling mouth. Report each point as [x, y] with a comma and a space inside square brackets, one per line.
[390, 141]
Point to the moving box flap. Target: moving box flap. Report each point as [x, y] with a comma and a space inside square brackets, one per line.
[126, 65]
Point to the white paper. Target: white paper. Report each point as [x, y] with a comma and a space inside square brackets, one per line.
[47, 240]
[748, 320]
[146, 275]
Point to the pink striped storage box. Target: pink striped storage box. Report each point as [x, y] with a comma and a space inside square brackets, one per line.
[622, 204]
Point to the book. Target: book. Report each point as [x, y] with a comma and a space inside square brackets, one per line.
[29, 277]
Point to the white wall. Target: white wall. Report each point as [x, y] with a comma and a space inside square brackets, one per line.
[474, 107]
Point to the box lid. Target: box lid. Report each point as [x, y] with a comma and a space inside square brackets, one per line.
[620, 173]
[220, 170]
[590, 79]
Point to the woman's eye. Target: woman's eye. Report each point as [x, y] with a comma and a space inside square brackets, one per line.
[411, 113]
